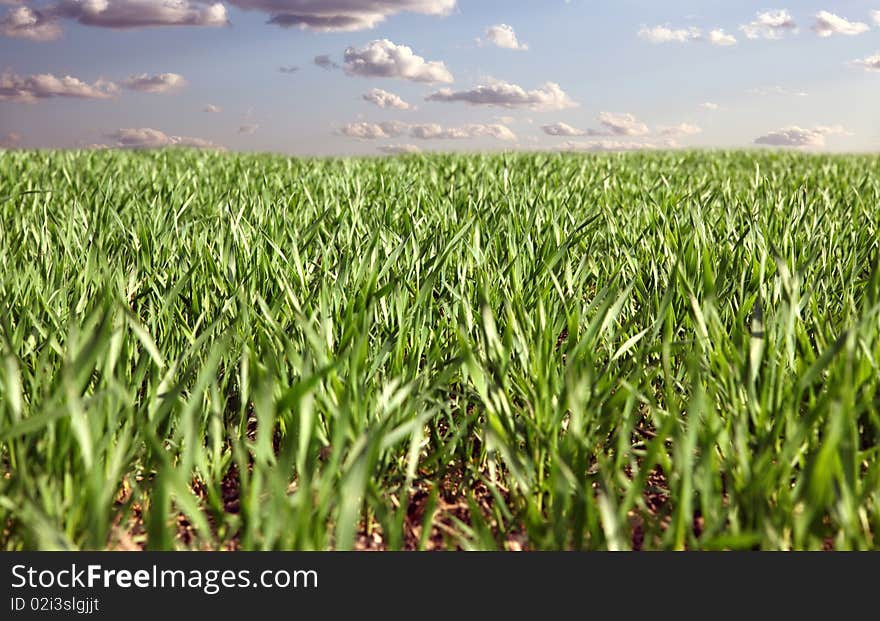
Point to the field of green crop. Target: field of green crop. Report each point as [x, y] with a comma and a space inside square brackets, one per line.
[536, 351]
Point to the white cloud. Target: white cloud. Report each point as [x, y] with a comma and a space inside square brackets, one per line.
[770, 25]
[372, 131]
[399, 149]
[383, 58]
[506, 95]
[503, 35]
[384, 99]
[869, 63]
[146, 138]
[665, 34]
[828, 24]
[26, 23]
[213, 109]
[776, 90]
[875, 15]
[624, 124]
[425, 131]
[11, 140]
[340, 15]
[432, 131]
[719, 37]
[794, 136]
[161, 83]
[620, 125]
[142, 13]
[33, 88]
[562, 129]
[598, 146]
[708, 105]
[682, 129]
[325, 62]
[42, 24]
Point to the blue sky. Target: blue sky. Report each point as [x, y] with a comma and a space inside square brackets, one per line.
[632, 74]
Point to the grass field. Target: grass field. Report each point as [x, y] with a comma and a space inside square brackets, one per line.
[536, 351]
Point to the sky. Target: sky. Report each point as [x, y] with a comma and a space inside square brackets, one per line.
[360, 77]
